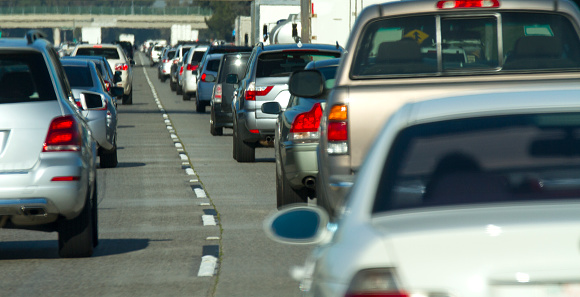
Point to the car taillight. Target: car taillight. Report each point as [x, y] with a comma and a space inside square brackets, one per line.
[450, 4]
[203, 77]
[165, 60]
[252, 92]
[375, 282]
[79, 105]
[63, 135]
[305, 125]
[107, 85]
[121, 67]
[337, 133]
[192, 67]
[217, 96]
[181, 70]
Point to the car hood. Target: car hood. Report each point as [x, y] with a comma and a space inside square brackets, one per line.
[511, 251]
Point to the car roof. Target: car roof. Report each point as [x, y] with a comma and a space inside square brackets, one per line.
[75, 62]
[322, 63]
[493, 103]
[100, 45]
[301, 46]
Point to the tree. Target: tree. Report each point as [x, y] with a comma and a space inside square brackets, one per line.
[221, 23]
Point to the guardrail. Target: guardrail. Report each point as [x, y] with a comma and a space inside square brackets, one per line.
[104, 10]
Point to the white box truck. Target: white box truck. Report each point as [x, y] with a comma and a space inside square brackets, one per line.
[266, 14]
[180, 33]
[243, 30]
[91, 35]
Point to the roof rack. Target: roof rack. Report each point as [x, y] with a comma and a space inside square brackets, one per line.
[33, 35]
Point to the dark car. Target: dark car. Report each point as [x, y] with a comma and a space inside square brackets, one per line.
[296, 139]
[223, 92]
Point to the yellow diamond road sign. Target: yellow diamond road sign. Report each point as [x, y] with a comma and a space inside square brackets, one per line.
[417, 35]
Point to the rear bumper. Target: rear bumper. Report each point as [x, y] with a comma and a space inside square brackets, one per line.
[299, 161]
[247, 121]
[220, 118]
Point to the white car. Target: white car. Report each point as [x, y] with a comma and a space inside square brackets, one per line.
[117, 60]
[469, 196]
[190, 65]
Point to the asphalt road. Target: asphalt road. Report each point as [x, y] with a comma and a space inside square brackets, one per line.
[172, 177]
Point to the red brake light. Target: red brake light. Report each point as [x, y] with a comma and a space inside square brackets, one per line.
[122, 67]
[107, 85]
[97, 46]
[165, 60]
[79, 105]
[66, 178]
[308, 121]
[192, 67]
[450, 4]
[252, 93]
[337, 131]
[218, 93]
[63, 135]
[181, 70]
[203, 77]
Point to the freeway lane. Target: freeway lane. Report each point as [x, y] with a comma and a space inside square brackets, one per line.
[243, 195]
[151, 234]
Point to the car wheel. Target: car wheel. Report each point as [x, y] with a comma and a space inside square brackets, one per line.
[199, 106]
[178, 90]
[214, 130]
[245, 152]
[128, 99]
[289, 195]
[75, 237]
[234, 141]
[186, 97]
[171, 84]
[95, 216]
[108, 159]
[163, 78]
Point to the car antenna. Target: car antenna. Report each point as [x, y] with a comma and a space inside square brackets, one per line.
[337, 45]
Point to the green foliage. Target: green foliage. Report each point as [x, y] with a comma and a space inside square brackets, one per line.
[221, 23]
[110, 3]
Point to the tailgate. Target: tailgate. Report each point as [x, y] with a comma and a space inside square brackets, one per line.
[278, 92]
[23, 129]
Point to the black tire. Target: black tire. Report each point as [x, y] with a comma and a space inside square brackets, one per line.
[108, 159]
[75, 237]
[245, 152]
[234, 141]
[178, 89]
[215, 131]
[186, 97]
[288, 195]
[163, 78]
[128, 99]
[95, 216]
[199, 106]
[171, 84]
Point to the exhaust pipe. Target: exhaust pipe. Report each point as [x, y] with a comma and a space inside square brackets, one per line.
[309, 182]
[33, 211]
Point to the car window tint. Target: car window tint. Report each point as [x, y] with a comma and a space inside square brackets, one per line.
[213, 65]
[79, 76]
[233, 65]
[109, 53]
[281, 64]
[483, 160]
[197, 56]
[170, 54]
[24, 78]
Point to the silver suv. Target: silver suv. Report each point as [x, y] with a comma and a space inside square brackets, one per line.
[47, 161]
[266, 79]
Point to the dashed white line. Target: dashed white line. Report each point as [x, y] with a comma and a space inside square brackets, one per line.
[200, 193]
[208, 220]
[207, 267]
[189, 171]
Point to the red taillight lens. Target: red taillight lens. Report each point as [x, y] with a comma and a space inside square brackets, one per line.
[252, 93]
[165, 60]
[65, 178]
[307, 121]
[79, 105]
[203, 77]
[121, 67]
[63, 135]
[337, 131]
[217, 96]
[450, 4]
[181, 70]
[107, 85]
[192, 67]
[376, 282]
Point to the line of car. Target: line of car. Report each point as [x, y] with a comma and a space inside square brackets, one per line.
[60, 114]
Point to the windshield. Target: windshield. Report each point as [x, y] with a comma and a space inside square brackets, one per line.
[463, 45]
[483, 160]
[284, 63]
[79, 76]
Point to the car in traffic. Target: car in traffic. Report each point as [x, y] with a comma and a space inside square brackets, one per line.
[155, 54]
[83, 76]
[164, 67]
[207, 78]
[296, 138]
[48, 156]
[266, 80]
[223, 91]
[176, 67]
[472, 195]
[405, 51]
[117, 60]
[105, 71]
[189, 77]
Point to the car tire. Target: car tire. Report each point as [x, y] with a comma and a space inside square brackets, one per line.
[128, 99]
[245, 152]
[75, 236]
[95, 215]
[288, 195]
[215, 131]
[171, 84]
[108, 159]
[234, 141]
[199, 106]
[186, 96]
[163, 78]
[178, 90]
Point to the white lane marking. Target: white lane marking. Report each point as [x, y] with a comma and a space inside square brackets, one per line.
[169, 127]
[204, 204]
[213, 238]
[183, 157]
[178, 145]
[207, 267]
[208, 220]
[189, 171]
[167, 122]
[173, 136]
[200, 193]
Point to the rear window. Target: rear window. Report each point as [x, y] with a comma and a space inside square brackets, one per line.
[213, 65]
[24, 78]
[109, 53]
[280, 64]
[483, 160]
[233, 65]
[462, 45]
[79, 76]
[197, 55]
[170, 54]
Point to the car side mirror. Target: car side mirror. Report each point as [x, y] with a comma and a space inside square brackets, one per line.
[92, 100]
[133, 63]
[117, 91]
[306, 83]
[232, 78]
[298, 225]
[209, 78]
[272, 107]
[118, 77]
